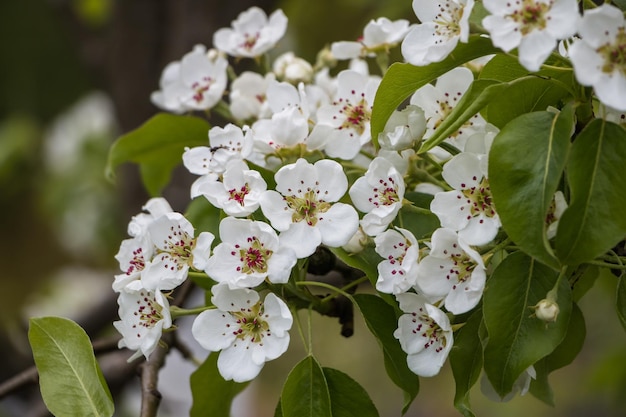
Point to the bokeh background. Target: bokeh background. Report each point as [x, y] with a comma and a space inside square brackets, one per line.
[74, 75]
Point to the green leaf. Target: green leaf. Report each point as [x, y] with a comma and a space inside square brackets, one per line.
[528, 94]
[466, 360]
[402, 80]
[475, 98]
[563, 355]
[526, 163]
[212, 395]
[70, 379]
[157, 146]
[381, 320]
[595, 172]
[621, 300]
[517, 339]
[305, 393]
[365, 261]
[421, 223]
[347, 397]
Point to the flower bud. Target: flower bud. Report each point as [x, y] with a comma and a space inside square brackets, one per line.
[547, 310]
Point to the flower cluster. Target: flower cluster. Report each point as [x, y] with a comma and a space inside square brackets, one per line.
[297, 168]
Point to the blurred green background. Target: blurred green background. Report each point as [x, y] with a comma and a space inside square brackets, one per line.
[75, 74]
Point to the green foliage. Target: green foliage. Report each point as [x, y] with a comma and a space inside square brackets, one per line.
[212, 395]
[305, 393]
[70, 379]
[589, 226]
[402, 80]
[621, 300]
[517, 339]
[524, 92]
[466, 360]
[347, 397]
[157, 146]
[523, 188]
[563, 355]
[381, 319]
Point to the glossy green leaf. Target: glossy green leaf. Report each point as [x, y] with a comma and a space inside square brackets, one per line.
[207, 385]
[157, 146]
[382, 321]
[421, 223]
[621, 300]
[402, 80]
[479, 94]
[70, 379]
[563, 355]
[366, 261]
[347, 397]
[517, 339]
[305, 393]
[595, 173]
[528, 94]
[526, 163]
[466, 361]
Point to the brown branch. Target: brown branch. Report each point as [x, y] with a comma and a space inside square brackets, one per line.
[150, 395]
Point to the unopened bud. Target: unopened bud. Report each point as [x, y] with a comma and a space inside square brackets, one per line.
[547, 310]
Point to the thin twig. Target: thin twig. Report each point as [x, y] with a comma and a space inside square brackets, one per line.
[150, 395]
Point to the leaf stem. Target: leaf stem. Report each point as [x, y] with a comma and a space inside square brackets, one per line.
[176, 311]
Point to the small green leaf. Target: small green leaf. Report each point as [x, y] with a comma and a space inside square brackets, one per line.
[517, 339]
[621, 300]
[347, 397]
[466, 360]
[402, 80]
[70, 379]
[212, 395]
[526, 163]
[590, 225]
[157, 146]
[381, 319]
[305, 393]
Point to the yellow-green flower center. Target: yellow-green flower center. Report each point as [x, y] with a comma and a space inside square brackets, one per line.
[531, 16]
[615, 54]
[306, 208]
[254, 258]
[480, 199]
[251, 323]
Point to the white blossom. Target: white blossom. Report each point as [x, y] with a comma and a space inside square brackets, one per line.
[248, 96]
[247, 331]
[344, 126]
[598, 57]
[424, 333]
[293, 69]
[452, 271]
[249, 253]
[177, 250]
[238, 192]
[252, 34]
[397, 273]
[379, 35]
[304, 207]
[144, 314]
[443, 25]
[197, 82]
[532, 26]
[379, 194]
[440, 99]
[403, 128]
[468, 209]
